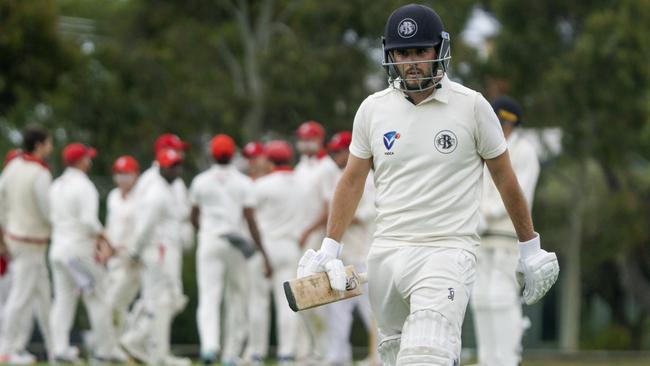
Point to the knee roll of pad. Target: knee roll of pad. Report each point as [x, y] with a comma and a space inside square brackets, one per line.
[428, 338]
[388, 348]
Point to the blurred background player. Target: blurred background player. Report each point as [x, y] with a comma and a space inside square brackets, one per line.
[279, 211]
[495, 300]
[76, 268]
[24, 187]
[314, 169]
[356, 239]
[259, 289]
[123, 274]
[222, 198]
[156, 244]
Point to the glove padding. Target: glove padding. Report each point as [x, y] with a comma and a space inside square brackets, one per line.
[323, 260]
[537, 270]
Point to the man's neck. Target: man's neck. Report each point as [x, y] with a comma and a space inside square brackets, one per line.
[416, 97]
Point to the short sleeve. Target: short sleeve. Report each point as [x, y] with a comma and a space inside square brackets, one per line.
[249, 197]
[490, 141]
[360, 146]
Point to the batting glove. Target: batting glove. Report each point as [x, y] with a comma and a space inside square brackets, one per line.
[537, 270]
[325, 260]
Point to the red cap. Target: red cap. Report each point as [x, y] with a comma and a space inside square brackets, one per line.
[125, 165]
[340, 141]
[76, 151]
[169, 141]
[11, 155]
[253, 149]
[168, 157]
[222, 146]
[278, 151]
[310, 129]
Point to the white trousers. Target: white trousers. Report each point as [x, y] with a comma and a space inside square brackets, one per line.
[28, 268]
[340, 316]
[73, 276]
[123, 282]
[220, 265]
[496, 305]
[284, 255]
[405, 280]
[259, 309]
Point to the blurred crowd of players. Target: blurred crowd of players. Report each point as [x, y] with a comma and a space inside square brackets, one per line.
[250, 228]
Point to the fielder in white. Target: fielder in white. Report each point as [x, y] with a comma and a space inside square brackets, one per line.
[259, 300]
[280, 197]
[156, 246]
[496, 302]
[222, 197]
[427, 138]
[76, 270]
[24, 187]
[357, 239]
[314, 169]
[123, 274]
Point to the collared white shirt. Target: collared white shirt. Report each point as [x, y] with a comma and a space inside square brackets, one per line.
[120, 218]
[24, 199]
[156, 219]
[280, 206]
[221, 193]
[314, 174]
[74, 213]
[525, 164]
[428, 161]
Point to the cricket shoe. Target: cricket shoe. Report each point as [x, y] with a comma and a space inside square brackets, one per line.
[18, 358]
[176, 361]
[135, 349]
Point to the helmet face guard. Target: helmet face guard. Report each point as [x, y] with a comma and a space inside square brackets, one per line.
[438, 66]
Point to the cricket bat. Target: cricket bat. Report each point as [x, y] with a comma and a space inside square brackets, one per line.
[312, 291]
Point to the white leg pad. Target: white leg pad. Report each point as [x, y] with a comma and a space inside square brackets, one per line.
[388, 349]
[428, 338]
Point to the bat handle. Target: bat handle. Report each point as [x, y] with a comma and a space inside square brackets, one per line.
[363, 277]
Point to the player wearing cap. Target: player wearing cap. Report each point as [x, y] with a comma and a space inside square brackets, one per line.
[357, 240]
[495, 300]
[154, 245]
[279, 210]
[24, 187]
[76, 270]
[427, 138]
[123, 275]
[222, 198]
[259, 289]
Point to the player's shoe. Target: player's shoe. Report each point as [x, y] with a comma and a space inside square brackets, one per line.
[208, 358]
[18, 358]
[135, 349]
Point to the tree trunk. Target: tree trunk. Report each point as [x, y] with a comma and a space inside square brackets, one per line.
[571, 287]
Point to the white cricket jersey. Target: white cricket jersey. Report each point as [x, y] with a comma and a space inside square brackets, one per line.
[156, 219]
[74, 212]
[525, 164]
[221, 194]
[314, 173]
[358, 236]
[120, 218]
[428, 163]
[24, 189]
[279, 211]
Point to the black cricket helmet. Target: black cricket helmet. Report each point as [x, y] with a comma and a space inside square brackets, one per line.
[416, 26]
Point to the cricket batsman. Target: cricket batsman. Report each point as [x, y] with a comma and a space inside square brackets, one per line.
[427, 138]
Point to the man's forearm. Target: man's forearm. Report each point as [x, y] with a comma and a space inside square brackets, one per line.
[515, 203]
[343, 206]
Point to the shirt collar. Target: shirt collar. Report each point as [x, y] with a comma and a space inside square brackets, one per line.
[32, 158]
[440, 94]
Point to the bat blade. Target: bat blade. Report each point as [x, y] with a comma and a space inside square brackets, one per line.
[312, 291]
